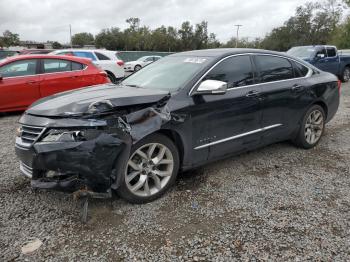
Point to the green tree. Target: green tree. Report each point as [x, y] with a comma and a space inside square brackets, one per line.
[82, 39]
[10, 39]
[111, 39]
[56, 45]
[313, 23]
[186, 36]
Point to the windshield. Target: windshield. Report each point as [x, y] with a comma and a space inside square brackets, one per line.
[302, 52]
[170, 73]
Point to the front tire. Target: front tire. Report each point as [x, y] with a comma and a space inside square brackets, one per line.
[137, 68]
[150, 171]
[312, 128]
[345, 77]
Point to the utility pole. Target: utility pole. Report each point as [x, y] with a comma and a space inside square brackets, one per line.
[238, 26]
[70, 35]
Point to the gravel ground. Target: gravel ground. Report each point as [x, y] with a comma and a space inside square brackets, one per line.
[276, 203]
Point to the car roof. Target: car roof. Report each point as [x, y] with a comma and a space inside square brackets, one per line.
[43, 56]
[218, 52]
[316, 46]
[84, 50]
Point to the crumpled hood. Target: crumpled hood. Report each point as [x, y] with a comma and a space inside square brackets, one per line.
[79, 100]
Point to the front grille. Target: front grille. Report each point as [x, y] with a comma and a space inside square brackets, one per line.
[30, 134]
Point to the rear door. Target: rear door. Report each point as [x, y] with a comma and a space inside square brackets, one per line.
[282, 92]
[58, 76]
[20, 84]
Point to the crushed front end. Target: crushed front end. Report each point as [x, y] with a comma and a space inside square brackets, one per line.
[81, 155]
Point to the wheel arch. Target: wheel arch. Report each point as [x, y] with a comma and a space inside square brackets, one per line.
[176, 139]
[109, 72]
[323, 105]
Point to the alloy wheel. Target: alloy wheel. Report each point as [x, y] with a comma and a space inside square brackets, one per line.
[314, 127]
[149, 169]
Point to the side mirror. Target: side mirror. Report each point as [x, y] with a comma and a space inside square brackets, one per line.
[212, 87]
[320, 56]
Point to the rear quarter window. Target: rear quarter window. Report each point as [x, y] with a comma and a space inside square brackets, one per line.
[300, 70]
[77, 66]
[102, 56]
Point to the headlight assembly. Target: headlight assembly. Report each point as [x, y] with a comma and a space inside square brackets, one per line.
[61, 135]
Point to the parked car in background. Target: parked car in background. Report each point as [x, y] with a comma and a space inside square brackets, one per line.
[106, 60]
[141, 62]
[325, 58]
[179, 113]
[35, 51]
[7, 53]
[26, 78]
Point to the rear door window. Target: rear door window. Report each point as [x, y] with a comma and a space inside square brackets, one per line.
[235, 71]
[273, 68]
[19, 68]
[56, 65]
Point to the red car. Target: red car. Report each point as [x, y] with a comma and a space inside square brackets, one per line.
[26, 78]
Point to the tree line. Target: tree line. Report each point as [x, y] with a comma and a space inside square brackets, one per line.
[313, 23]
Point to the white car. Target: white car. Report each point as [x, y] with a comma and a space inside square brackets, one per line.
[106, 60]
[141, 62]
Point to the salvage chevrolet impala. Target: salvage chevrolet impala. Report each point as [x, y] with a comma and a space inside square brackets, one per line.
[184, 111]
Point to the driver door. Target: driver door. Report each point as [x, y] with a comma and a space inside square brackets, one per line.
[321, 59]
[231, 120]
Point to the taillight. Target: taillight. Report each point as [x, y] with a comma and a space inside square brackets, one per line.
[120, 62]
[339, 87]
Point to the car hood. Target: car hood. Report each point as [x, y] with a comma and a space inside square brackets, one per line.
[80, 101]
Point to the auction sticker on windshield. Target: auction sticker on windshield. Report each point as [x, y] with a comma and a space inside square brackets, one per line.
[195, 60]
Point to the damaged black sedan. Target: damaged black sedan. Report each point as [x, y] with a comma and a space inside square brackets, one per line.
[176, 114]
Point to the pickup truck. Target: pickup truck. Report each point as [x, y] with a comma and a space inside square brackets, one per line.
[325, 58]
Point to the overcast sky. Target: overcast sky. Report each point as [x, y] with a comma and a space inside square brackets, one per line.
[49, 19]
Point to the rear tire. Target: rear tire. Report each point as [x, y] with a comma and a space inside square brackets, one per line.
[345, 77]
[312, 128]
[151, 170]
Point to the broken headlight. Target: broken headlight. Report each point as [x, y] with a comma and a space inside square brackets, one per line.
[61, 135]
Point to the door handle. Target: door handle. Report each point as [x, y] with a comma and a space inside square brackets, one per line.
[253, 93]
[297, 88]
